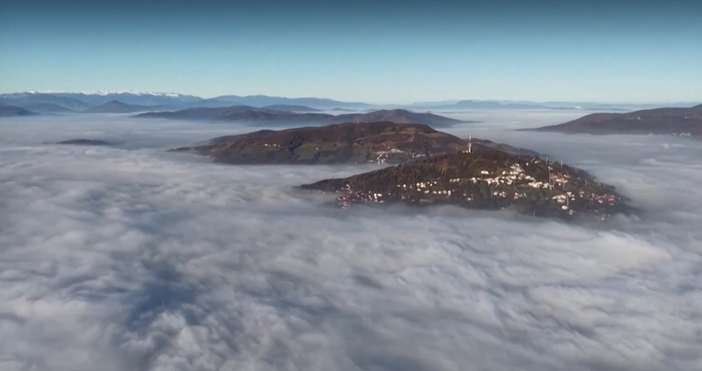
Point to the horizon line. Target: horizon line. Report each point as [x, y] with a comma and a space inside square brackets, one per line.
[176, 94]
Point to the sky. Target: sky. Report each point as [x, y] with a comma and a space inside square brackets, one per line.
[373, 51]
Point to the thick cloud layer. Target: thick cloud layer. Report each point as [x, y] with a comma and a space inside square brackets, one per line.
[131, 258]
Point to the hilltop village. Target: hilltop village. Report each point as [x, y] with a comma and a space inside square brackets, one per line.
[434, 168]
[485, 180]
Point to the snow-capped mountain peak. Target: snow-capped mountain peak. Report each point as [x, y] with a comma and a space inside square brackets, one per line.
[83, 99]
[105, 92]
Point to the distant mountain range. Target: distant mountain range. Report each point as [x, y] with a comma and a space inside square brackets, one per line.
[81, 101]
[525, 105]
[47, 108]
[264, 100]
[27, 100]
[253, 115]
[665, 121]
[172, 101]
[89, 99]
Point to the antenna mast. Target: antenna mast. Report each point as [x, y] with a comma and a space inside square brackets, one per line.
[470, 143]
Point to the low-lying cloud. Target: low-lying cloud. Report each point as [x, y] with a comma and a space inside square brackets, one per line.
[132, 258]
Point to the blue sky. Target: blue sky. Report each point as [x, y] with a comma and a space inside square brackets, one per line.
[380, 51]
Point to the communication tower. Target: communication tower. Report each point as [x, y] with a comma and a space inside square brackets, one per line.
[470, 143]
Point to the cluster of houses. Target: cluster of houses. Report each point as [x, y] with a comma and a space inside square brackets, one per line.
[508, 184]
[395, 155]
[350, 197]
[608, 198]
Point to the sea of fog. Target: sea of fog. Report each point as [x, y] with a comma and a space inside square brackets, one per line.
[133, 258]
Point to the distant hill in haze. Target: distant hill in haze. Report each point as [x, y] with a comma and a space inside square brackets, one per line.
[474, 104]
[204, 103]
[291, 108]
[13, 111]
[28, 100]
[665, 121]
[47, 108]
[233, 113]
[264, 116]
[264, 100]
[84, 142]
[432, 104]
[398, 116]
[116, 107]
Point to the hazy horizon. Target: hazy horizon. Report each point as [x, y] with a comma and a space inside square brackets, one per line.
[418, 103]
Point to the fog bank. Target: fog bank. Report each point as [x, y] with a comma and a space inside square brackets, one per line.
[133, 258]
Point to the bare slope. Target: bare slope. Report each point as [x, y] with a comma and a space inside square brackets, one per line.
[248, 114]
[663, 121]
[342, 143]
